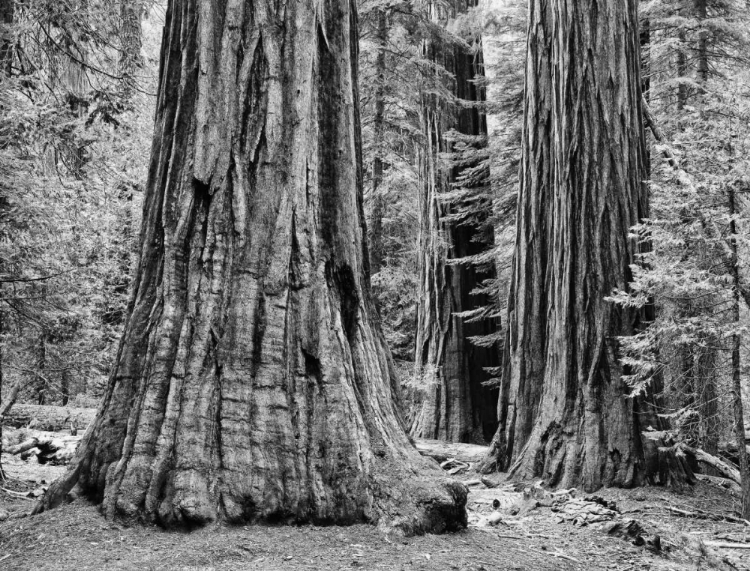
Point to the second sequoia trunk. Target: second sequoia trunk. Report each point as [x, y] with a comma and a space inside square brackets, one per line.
[456, 406]
[564, 409]
[252, 382]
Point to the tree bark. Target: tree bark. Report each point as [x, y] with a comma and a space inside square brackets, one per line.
[37, 378]
[6, 36]
[682, 70]
[524, 350]
[378, 166]
[65, 387]
[9, 401]
[457, 407]
[2, 403]
[565, 412]
[645, 42]
[739, 415]
[130, 46]
[252, 382]
[701, 12]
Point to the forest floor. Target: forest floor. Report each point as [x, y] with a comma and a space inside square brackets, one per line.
[78, 537]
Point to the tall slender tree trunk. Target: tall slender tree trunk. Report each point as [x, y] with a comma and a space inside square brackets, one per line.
[65, 387]
[457, 406]
[6, 36]
[2, 471]
[739, 413]
[701, 13]
[524, 355]
[682, 70]
[708, 406]
[565, 412]
[378, 167]
[252, 382]
[37, 380]
[129, 63]
[645, 41]
[130, 46]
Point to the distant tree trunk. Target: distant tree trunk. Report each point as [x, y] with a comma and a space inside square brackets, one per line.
[130, 46]
[6, 37]
[2, 472]
[38, 381]
[701, 12]
[129, 63]
[67, 72]
[65, 387]
[682, 70]
[646, 58]
[739, 414]
[456, 407]
[708, 406]
[252, 382]
[565, 412]
[378, 202]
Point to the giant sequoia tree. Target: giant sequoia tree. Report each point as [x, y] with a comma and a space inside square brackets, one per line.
[457, 406]
[564, 408]
[252, 383]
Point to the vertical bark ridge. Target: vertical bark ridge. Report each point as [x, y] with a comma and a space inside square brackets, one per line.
[252, 383]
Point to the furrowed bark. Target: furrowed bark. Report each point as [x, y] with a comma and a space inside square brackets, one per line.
[456, 406]
[252, 382]
[564, 411]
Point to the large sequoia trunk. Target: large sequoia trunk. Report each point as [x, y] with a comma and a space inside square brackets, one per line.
[456, 407]
[252, 383]
[564, 411]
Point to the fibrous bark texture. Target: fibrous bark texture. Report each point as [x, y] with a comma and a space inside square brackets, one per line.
[457, 407]
[252, 383]
[130, 45]
[564, 410]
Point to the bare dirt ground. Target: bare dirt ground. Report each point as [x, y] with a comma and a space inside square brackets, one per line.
[78, 537]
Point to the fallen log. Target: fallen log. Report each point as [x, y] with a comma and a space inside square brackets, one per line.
[52, 449]
[442, 451]
[49, 418]
[722, 467]
[727, 545]
[725, 483]
[700, 514]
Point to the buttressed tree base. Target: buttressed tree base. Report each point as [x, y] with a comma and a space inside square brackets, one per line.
[252, 382]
